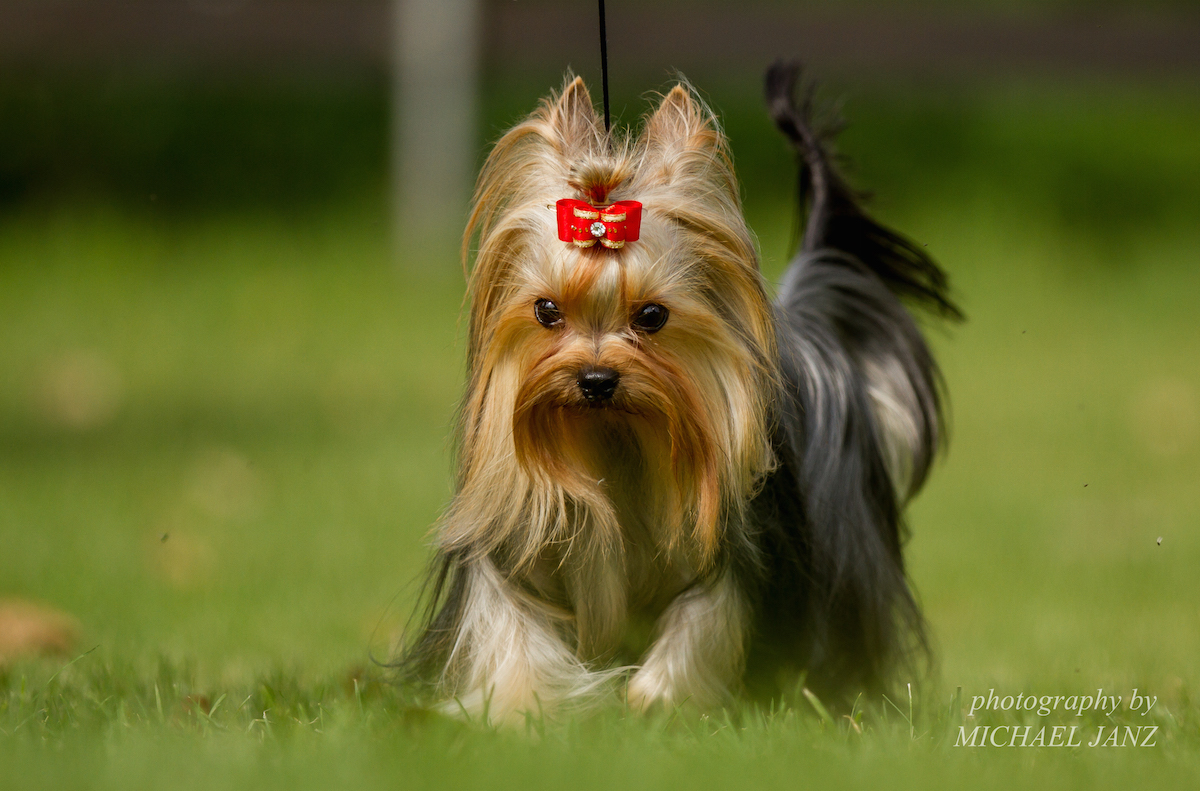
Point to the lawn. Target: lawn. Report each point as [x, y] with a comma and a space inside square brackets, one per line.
[224, 436]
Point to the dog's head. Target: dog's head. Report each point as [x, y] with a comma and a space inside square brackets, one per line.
[657, 357]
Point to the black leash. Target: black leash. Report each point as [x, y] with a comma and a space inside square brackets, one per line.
[604, 65]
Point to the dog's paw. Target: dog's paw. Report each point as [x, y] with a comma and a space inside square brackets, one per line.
[647, 688]
[655, 685]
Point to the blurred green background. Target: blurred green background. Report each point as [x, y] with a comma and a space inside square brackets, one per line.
[225, 406]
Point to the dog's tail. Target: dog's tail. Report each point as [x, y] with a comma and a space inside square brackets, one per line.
[861, 419]
[833, 213]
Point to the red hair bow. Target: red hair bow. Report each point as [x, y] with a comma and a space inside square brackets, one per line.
[583, 224]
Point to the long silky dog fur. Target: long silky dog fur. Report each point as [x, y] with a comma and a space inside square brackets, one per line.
[807, 573]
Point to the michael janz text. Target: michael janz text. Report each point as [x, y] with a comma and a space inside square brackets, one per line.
[1105, 705]
[1056, 736]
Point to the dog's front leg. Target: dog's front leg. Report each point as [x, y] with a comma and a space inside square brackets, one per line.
[510, 656]
[699, 649]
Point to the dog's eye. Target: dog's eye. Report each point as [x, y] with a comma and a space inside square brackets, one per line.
[651, 318]
[547, 313]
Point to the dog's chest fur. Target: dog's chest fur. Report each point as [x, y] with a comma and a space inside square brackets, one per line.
[610, 586]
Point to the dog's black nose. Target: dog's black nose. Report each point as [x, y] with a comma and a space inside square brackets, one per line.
[598, 384]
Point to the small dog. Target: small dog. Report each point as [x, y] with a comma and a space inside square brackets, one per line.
[660, 471]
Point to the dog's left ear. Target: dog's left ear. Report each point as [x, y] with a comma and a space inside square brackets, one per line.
[678, 121]
[682, 139]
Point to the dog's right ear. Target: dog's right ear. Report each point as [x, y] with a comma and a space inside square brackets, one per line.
[573, 118]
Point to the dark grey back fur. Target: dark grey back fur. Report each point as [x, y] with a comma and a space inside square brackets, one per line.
[834, 599]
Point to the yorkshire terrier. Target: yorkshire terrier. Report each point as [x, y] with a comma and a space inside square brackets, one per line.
[664, 475]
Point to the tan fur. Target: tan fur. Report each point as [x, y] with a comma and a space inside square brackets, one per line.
[698, 650]
[572, 519]
[510, 656]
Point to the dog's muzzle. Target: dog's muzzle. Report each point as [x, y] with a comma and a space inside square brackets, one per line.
[597, 384]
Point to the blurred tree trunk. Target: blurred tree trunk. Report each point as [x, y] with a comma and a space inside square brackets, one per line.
[434, 96]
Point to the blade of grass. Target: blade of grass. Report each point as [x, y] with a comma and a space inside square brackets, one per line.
[818, 706]
[64, 667]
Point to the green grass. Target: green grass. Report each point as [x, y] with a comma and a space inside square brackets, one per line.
[236, 506]
[116, 728]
